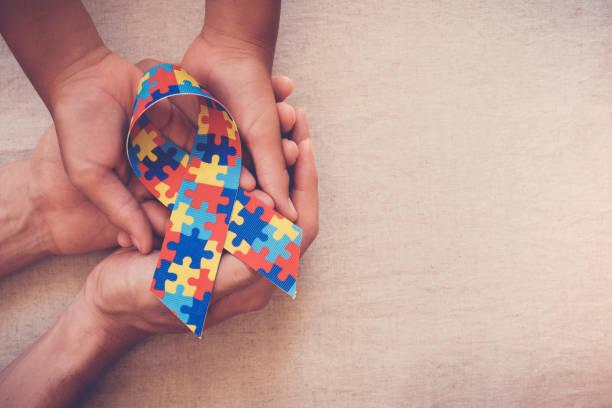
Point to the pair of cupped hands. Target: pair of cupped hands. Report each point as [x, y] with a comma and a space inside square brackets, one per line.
[86, 197]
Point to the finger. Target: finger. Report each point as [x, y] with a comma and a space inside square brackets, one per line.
[158, 214]
[233, 275]
[286, 116]
[247, 181]
[263, 197]
[123, 170]
[109, 194]
[290, 151]
[247, 160]
[250, 299]
[147, 63]
[282, 87]
[263, 140]
[123, 239]
[305, 192]
[138, 189]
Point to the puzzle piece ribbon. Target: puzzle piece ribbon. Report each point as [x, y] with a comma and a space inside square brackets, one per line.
[209, 211]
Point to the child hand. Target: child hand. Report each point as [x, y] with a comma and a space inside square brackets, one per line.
[90, 109]
[239, 77]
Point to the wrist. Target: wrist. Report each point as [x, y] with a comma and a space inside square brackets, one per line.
[75, 351]
[24, 236]
[49, 38]
[216, 43]
[251, 26]
[84, 320]
[86, 61]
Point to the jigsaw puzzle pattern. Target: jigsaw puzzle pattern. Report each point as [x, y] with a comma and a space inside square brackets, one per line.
[210, 212]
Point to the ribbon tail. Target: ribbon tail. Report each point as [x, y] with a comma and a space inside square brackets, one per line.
[265, 241]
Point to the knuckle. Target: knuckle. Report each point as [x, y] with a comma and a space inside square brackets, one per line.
[81, 177]
[258, 303]
[269, 179]
[127, 208]
[313, 229]
[145, 62]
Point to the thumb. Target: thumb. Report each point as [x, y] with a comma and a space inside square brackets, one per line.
[102, 186]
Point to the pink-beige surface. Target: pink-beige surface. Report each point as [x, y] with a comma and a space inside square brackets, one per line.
[465, 251]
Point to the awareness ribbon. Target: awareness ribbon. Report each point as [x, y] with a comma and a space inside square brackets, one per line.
[209, 210]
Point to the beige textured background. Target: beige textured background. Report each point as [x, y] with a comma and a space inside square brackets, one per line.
[465, 253]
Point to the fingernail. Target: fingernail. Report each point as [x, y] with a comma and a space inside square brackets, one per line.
[292, 207]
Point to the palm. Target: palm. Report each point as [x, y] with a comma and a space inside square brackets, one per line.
[83, 227]
[239, 80]
[119, 286]
[92, 129]
[91, 110]
[90, 118]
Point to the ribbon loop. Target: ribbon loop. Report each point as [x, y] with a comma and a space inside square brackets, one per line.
[210, 212]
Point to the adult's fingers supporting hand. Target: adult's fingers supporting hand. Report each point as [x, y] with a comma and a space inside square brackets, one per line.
[233, 275]
[138, 189]
[305, 192]
[158, 214]
[263, 197]
[107, 192]
[250, 299]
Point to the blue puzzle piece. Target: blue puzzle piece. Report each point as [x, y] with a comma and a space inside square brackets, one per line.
[200, 218]
[167, 156]
[288, 285]
[145, 91]
[157, 94]
[173, 149]
[205, 147]
[133, 150]
[275, 248]
[191, 246]
[189, 87]
[165, 66]
[232, 177]
[227, 208]
[176, 302]
[186, 185]
[197, 312]
[162, 274]
[242, 198]
[298, 239]
[155, 169]
[251, 229]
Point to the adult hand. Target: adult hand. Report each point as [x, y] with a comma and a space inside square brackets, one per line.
[72, 224]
